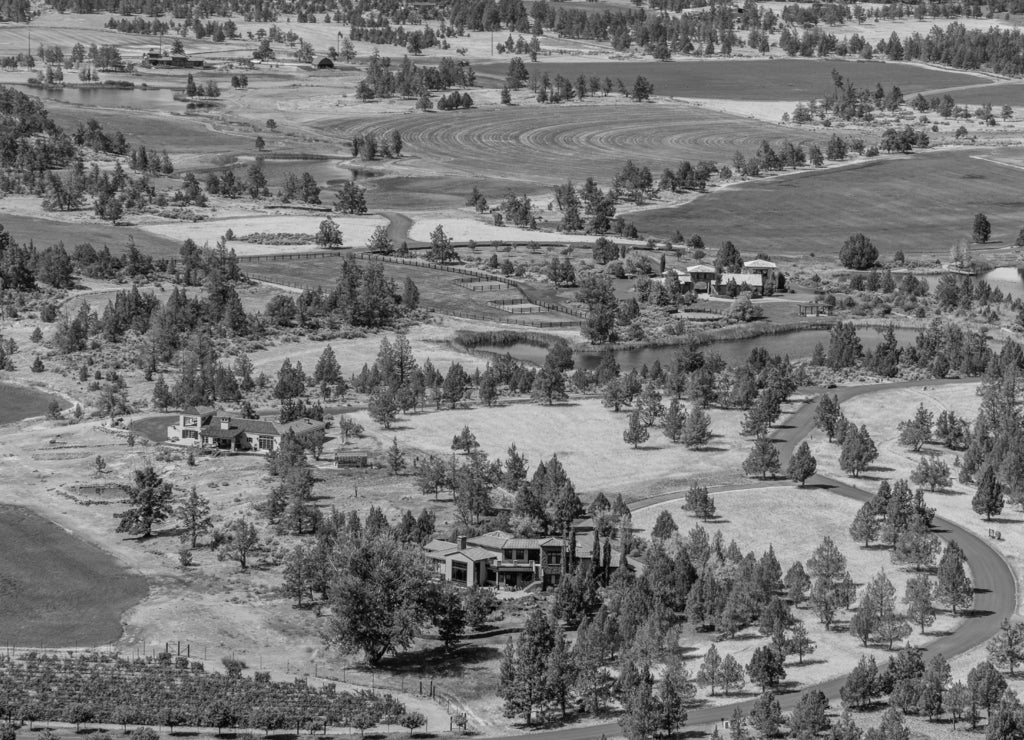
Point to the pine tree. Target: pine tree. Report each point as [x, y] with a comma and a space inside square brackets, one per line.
[709, 673]
[697, 428]
[194, 516]
[396, 458]
[673, 421]
[327, 369]
[763, 458]
[802, 464]
[988, 501]
[636, 433]
[162, 397]
[799, 643]
[865, 525]
[918, 598]
[953, 588]
[1007, 647]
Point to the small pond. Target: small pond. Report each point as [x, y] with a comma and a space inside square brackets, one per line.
[798, 345]
[18, 402]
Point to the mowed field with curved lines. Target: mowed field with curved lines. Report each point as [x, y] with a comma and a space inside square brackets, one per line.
[551, 144]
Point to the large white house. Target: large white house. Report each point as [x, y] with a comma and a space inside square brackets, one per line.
[204, 426]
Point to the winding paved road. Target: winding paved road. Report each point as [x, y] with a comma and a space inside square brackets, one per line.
[995, 585]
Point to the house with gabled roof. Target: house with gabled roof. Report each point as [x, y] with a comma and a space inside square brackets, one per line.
[204, 426]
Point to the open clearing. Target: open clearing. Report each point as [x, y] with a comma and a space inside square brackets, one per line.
[57, 589]
[794, 521]
[746, 79]
[587, 439]
[920, 203]
[355, 230]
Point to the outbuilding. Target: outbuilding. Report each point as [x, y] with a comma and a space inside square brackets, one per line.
[325, 63]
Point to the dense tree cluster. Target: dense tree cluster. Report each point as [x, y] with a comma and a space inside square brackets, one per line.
[410, 80]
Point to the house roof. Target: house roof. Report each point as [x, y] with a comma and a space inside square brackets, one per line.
[742, 278]
[760, 265]
[493, 540]
[474, 554]
[440, 545]
[199, 410]
[703, 269]
[238, 426]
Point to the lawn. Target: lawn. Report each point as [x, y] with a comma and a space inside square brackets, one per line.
[753, 79]
[57, 589]
[919, 204]
[587, 439]
[794, 521]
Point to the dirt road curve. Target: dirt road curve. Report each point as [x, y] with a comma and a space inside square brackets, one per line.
[995, 586]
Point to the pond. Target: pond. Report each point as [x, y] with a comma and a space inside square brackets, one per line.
[18, 402]
[798, 345]
[57, 590]
[150, 99]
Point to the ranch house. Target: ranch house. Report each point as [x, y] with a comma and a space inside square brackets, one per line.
[501, 560]
[206, 427]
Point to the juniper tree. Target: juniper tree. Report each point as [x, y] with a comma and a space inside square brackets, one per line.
[149, 499]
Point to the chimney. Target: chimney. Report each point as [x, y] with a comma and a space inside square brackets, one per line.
[462, 542]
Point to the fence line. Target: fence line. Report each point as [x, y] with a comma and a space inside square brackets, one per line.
[289, 256]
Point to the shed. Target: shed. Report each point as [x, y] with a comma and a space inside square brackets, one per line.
[344, 459]
[325, 63]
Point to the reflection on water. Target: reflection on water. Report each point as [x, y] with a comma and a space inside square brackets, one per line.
[111, 97]
[797, 345]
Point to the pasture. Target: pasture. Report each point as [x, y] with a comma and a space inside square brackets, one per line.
[920, 203]
[43, 232]
[439, 290]
[57, 589]
[552, 144]
[751, 79]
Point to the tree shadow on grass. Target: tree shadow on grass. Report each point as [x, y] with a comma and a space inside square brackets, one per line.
[807, 661]
[440, 663]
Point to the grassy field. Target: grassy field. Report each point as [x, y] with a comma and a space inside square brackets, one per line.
[56, 589]
[550, 144]
[588, 440]
[755, 79]
[920, 203]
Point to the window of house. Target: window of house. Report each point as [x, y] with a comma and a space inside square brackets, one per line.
[459, 572]
[266, 442]
[520, 554]
[189, 434]
[554, 558]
